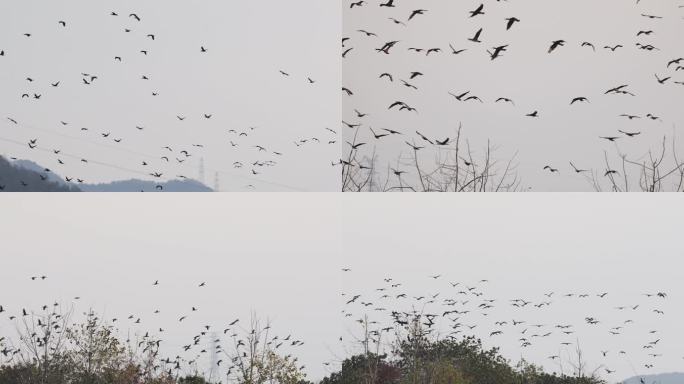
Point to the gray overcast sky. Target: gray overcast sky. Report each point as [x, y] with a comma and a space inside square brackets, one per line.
[526, 73]
[237, 81]
[526, 247]
[110, 256]
[286, 265]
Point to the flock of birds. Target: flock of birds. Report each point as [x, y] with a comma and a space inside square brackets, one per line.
[161, 161]
[549, 323]
[164, 161]
[457, 309]
[384, 38]
[229, 342]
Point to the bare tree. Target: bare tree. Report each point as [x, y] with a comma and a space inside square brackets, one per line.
[455, 168]
[53, 350]
[656, 171]
[42, 338]
[255, 359]
[580, 366]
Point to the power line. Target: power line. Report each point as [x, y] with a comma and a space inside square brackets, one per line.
[77, 157]
[130, 151]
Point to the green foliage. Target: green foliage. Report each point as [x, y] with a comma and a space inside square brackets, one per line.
[531, 374]
[475, 364]
[440, 371]
[192, 380]
[275, 369]
[418, 360]
[365, 369]
[57, 352]
[50, 349]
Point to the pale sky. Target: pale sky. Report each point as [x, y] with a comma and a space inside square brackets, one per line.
[527, 247]
[110, 255]
[237, 81]
[526, 73]
[286, 265]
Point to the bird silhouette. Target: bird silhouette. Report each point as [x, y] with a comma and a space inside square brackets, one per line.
[579, 99]
[555, 44]
[511, 21]
[476, 37]
[478, 11]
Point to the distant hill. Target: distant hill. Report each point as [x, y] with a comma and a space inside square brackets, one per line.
[663, 378]
[12, 173]
[135, 185]
[17, 178]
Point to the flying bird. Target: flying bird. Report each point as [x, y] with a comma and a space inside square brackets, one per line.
[556, 44]
[478, 11]
[511, 21]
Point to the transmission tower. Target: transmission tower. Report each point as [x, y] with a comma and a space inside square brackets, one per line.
[214, 357]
